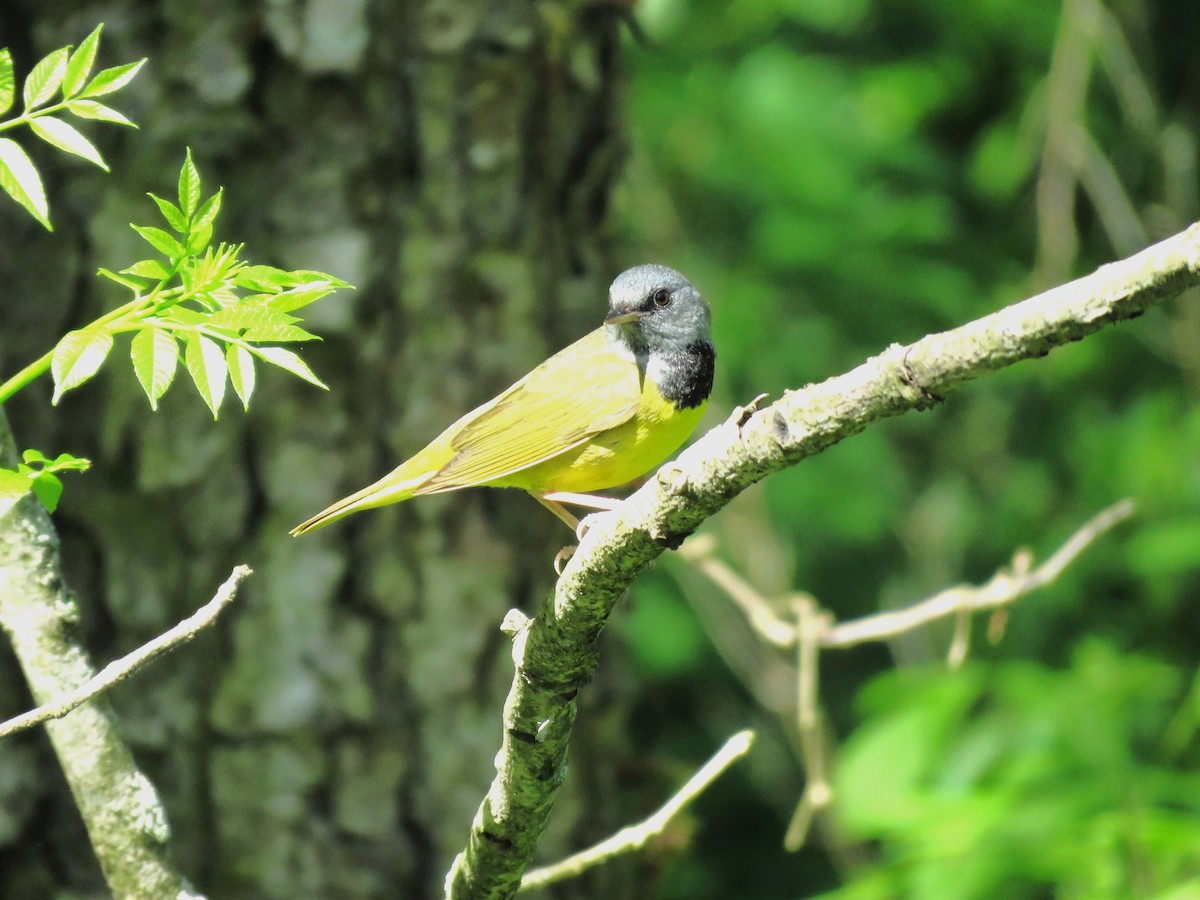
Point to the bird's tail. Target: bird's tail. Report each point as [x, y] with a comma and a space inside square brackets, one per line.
[388, 489]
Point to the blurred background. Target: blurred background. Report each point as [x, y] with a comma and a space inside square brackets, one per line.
[834, 175]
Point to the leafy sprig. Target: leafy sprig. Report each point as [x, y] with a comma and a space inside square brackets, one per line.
[198, 300]
[65, 73]
[193, 299]
[38, 474]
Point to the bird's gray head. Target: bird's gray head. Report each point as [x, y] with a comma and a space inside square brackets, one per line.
[656, 309]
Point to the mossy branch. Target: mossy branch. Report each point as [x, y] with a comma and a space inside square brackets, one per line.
[557, 652]
[125, 819]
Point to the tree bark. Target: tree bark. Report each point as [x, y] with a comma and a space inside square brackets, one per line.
[125, 820]
[453, 160]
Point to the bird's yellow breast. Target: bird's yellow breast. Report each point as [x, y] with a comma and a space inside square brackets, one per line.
[617, 455]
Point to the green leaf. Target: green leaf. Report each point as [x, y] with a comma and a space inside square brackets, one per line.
[160, 241]
[8, 84]
[34, 457]
[197, 242]
[66, 137]
[79, 66]
[297, 298]
[148, 268]
[286, 359]
[65, 461]
[77, 357]
[172, 213]
[282, 334]
[218, 298]
[48, 489]
[263, 278]
[181, 317]
[208, 210]
[13, 486]
[94, 109]
[206, 365]
[134, 285]
[155, 356]
[241, 372]
[189, 185]
[108, 81]
[261, 323]
[45, 78]
[249, 315]
[22, 182]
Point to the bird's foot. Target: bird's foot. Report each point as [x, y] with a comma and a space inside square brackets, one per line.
[561, 557]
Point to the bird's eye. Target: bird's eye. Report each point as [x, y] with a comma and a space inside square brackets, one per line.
[662, 297]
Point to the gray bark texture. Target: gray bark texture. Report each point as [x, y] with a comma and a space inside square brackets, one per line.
[334, 735]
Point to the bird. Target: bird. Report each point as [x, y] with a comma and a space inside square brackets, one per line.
[600, 413]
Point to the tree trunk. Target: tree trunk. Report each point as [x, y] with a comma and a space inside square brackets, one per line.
[334, 736]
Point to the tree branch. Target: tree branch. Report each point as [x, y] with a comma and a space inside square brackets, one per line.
[812, 628]
[556, 654]
[125, 819]
[1003, 588]
[634, 837]
[120, 669]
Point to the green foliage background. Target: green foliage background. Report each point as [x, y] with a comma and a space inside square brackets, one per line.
[837, 176]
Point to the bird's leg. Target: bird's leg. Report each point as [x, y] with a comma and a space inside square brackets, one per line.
[561, 557]
[591, 501]
[558, 509]
[553, 501]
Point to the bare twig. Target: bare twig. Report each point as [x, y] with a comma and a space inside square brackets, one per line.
[811, 623]
[1004, 588]
[634, 837]
[120, 669]
[814, 629]
[771, 627]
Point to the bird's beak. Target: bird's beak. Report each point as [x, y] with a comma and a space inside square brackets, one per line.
[621, 316]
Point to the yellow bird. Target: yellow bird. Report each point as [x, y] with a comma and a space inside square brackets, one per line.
[597, 414]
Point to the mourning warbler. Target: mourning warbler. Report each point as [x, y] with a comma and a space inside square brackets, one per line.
[597, 414]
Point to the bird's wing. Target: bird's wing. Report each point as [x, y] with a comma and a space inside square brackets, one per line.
[581, 391]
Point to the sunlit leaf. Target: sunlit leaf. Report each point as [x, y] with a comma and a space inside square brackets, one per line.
[108, 81]
[148, 268]
[189, 185]
[135, 285]
[208, 210]
[66, 137]
[77, 357]
[79, 66]
[48, 488]
[22, 182]
[286, 359]
[198, 240]
[241, 372]
[45, 78]
[264, 278]
[172, 213]
[250, 315]
[160, 241]
[278, 334]
[94, 109]
[206, 364]
[8, 84]
[155, 355]
[67, 461]
[13, 486]
[297, 298]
